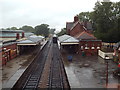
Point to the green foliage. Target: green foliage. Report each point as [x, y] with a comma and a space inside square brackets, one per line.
[39, 29]
[13, 28]
[103, 16]
[62, 32]
[105, 20]
[84, 16]
[27, 28]
[52, 31]
[42, 30]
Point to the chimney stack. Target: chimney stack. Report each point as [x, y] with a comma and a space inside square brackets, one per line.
[17, 36]
[23, 35]
[76, 19]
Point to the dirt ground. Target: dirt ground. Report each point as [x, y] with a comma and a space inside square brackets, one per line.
[90, 71]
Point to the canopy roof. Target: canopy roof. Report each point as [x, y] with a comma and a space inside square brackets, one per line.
[66, 39]
[11, 31]
[31, 40]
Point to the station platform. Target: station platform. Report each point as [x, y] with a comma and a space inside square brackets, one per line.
[16, 67]
[88, 71]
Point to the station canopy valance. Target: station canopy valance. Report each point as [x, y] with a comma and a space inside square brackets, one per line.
[67, 40]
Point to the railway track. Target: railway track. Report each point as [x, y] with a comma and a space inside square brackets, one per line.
[31, 76]
[46, 70]
[55, 77]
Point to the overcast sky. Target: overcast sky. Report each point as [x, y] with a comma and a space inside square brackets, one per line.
[35, 12]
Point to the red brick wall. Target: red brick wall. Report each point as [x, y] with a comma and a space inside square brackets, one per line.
[8, 54]
[90, 45]
[68, 31]
[76, 30]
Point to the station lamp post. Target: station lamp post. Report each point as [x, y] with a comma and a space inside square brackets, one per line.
[107, 58]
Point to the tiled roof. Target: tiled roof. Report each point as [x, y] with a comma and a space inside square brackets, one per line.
[67, 38]
[63, 37]
[89, 26]
[78, 22]
[71, 39]
[69, 25]
[28, 34]
[84, 36]
[26, 41]
[8, 34]
[11, 31]
[33, 39]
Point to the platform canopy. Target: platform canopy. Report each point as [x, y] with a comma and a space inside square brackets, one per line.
[31, 40]
[67, 40]
[26, 42]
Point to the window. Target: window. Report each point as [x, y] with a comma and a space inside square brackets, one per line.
[98, 47]
[92, 47]
[86, 47]
[81, 47]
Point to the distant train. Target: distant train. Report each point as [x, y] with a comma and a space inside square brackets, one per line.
[55, 39]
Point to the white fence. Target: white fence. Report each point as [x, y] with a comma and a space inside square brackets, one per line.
[103, 54]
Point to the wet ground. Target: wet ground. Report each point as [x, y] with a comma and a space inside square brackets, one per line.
[17, 64]
[88, 71]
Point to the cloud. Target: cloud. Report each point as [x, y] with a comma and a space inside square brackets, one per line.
[34, 12]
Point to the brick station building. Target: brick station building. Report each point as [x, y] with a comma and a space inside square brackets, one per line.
[14, 42]
[82, 31]
[8, 48]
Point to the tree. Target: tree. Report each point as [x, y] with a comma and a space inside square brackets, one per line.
[62, 32]
[27, 28]
[42, 30]
[52, 31]
[13, 28]
[84, 16]
[105, 18]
